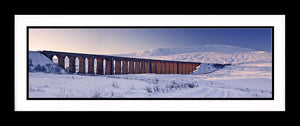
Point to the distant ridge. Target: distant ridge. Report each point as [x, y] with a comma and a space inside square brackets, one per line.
[210, 53]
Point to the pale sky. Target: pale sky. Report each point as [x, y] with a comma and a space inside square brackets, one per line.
[129, 40]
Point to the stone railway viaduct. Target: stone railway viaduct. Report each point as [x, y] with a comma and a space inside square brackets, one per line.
[115, 64]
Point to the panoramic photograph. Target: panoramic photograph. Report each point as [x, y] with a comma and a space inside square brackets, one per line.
[150, 62]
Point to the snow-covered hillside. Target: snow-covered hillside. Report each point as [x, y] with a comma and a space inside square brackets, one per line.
[222, 54]
[193, 49]
[37, 62]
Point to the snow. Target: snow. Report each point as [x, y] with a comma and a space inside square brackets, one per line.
[249, 77]
[222, 54]
[205, 48]
[45, 85]
[204, 68]
[42, 60]
[37, 62]
[54, 85]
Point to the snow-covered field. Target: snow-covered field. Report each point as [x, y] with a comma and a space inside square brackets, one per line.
[250, 77]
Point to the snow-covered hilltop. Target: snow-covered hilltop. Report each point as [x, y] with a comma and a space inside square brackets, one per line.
[193, 49]
[222, 54]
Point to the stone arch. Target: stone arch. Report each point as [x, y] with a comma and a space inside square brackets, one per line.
[179, 67]
[158, 67]
[171, 68]
[121, 66]
[108, 66]
[167, 68]
[99, 68]
[69, 64]
[76, 65]
[186, 68]
[66, 63]
[153, 67]
[81, 65]
[117, 66]
[175, 68]
[72, 68]
[104, 66]
[137, 67]
[60, 60]
[128, 66]
[95, 66]
[142, 67]
[163, 67]
[124, 66]
[131, 67]
[90, 65]
[190, 68]
[183, 68]
[114, 66]
[54, 59]
[86, 65]
[147, 66]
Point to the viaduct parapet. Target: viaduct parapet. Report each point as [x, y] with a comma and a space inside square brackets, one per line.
[110, 65]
